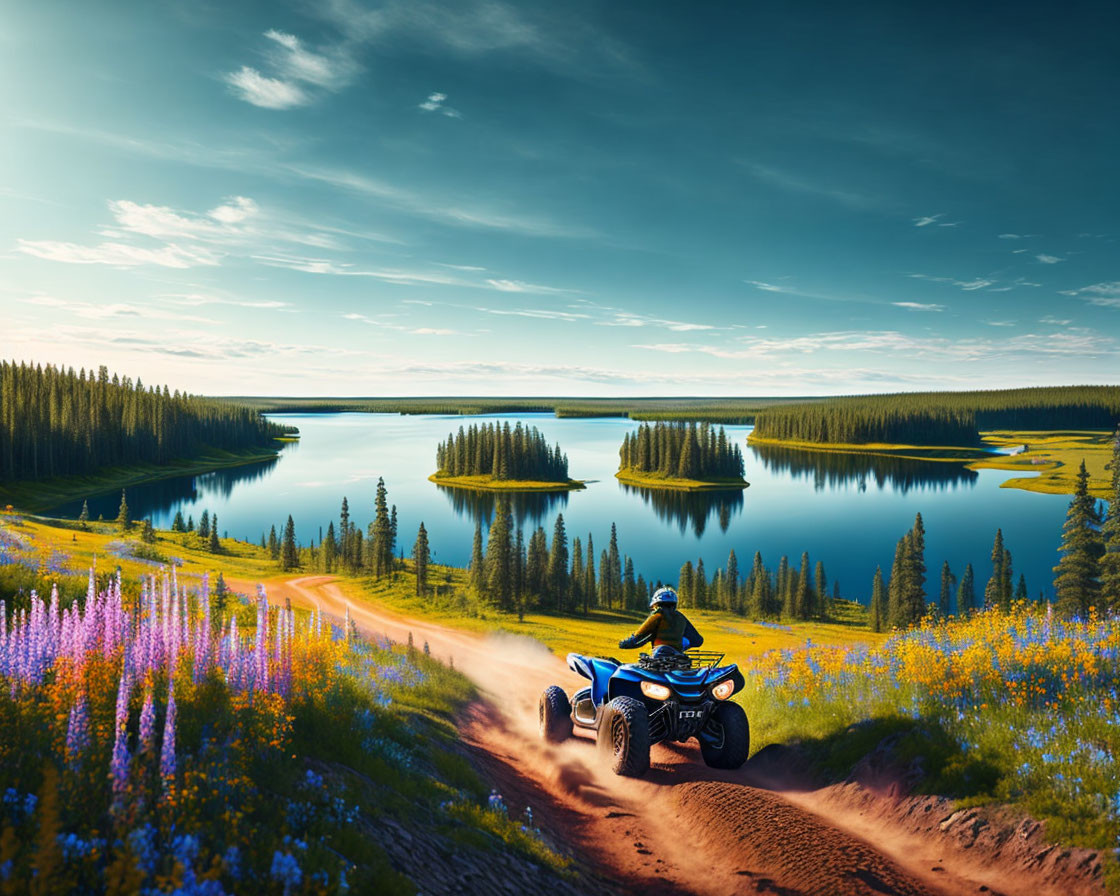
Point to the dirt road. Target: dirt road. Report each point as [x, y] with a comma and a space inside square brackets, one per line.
[685, 828]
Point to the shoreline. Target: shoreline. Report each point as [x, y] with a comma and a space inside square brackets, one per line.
[42, 495]
[1052, 456]
[638, 480]
[489, 484]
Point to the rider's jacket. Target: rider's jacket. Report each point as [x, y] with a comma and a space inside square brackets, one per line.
[666, 626]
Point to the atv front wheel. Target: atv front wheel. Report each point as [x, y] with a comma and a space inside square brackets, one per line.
[624, 736]
[726, 739]
[555, 715]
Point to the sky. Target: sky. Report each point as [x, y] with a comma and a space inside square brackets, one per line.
[346, 197]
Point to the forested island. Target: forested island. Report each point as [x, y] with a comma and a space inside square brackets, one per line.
[493, 456]
[680, 455]
[58, 424]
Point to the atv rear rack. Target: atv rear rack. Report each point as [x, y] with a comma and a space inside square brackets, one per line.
[680, 662]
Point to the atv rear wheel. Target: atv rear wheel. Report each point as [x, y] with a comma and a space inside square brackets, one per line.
[726, 739]
[624, 736]
[555, 715]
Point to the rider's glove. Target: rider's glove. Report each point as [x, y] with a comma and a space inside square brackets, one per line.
[627, 643]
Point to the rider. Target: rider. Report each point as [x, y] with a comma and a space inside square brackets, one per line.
[666, 625]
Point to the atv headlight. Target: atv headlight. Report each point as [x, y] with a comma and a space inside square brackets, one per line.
[724, 689]
[655, 691]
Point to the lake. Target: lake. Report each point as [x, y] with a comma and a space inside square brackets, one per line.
[846, 510]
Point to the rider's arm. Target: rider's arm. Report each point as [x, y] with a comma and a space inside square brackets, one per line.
[692, 637]
[644, 634]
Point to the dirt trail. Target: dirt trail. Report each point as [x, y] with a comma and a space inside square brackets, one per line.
[684, 828]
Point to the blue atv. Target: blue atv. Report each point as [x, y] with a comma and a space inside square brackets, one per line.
[670, 695]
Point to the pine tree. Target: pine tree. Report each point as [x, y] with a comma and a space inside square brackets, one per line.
[590, 590]
[190, 523]
[221, 599]
[215, 544]
[273, 544]
[804, 600]
[993, 591]
[83, 517]
[1021, 589]
[558, 564]
[478, 573]
[966, 592]
[1005, 590]
[345, 541]
[785, 591]
[289, 553]
[330, 548]
[916, 573]
[685, 584]
[614, 570]
[760, 582]
[820, 587]
[177, 524]
[1077, 575]
[1110, 537]
[733, 600]
[499, 557]
[879, 612]
[123, 519]
[575, 575]
[204, 526]
[896, 587]
[147, 532]
[945, 599]
[421, 555]
[700, 586]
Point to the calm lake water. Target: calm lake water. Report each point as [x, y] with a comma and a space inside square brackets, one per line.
[845, 510]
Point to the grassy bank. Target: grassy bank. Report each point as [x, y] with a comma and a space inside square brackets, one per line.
[1052, 459]
[36, 496]
[490, 484]
[652, 480]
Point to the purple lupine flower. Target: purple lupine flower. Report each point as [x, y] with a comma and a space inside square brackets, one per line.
[118, 768]
[147, 723]
[77, 730]
[167, 753]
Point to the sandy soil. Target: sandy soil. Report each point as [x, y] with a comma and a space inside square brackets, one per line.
[684, 828]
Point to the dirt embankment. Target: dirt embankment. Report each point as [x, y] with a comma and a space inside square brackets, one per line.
[686, 828]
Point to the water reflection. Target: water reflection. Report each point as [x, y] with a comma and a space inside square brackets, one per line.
[527, 507]
[832, 469]
[691, 509]
[152, 499]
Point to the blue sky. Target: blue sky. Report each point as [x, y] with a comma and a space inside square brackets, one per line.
[405, 198]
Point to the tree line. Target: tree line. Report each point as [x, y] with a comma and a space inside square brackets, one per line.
[682, 450]
[940, 418]
[55, 422]
[520, 453]
[788, 592]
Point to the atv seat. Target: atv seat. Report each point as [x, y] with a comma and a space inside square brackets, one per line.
[597, 670]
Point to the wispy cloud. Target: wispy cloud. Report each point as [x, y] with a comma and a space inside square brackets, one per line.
[918, 306]
[117, 254]
[1049, 259]
[1103, 294]
[521, 286]
[295, 69]
[251, 86]
[926, 220]
[789, 290]
[795, 183]
[967, 285]
[436, 102]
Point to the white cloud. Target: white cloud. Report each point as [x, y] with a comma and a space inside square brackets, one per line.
[301, 64]
[966, 285]
[268, 93]
[118, 254]
[926, 220]
[1103, 294]
[521, 286]
[918, 306]
[1049, 259]
[795, 183]
[436, 102]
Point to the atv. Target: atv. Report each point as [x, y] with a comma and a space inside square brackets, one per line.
[670, 695]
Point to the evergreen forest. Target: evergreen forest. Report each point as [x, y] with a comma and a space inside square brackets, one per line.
[940, 418]
[518, 454]
[682, 451]
[55, 422]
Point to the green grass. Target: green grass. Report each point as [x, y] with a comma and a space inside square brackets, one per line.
[488, 483]
[656, 480]
[43, 494]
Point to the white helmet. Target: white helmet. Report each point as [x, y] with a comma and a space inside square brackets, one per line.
[663, 596]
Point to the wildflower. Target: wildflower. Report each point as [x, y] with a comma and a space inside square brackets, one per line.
[496, 803]
[285, 870]
[167, 753]
[147, 723]
[77, 730]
